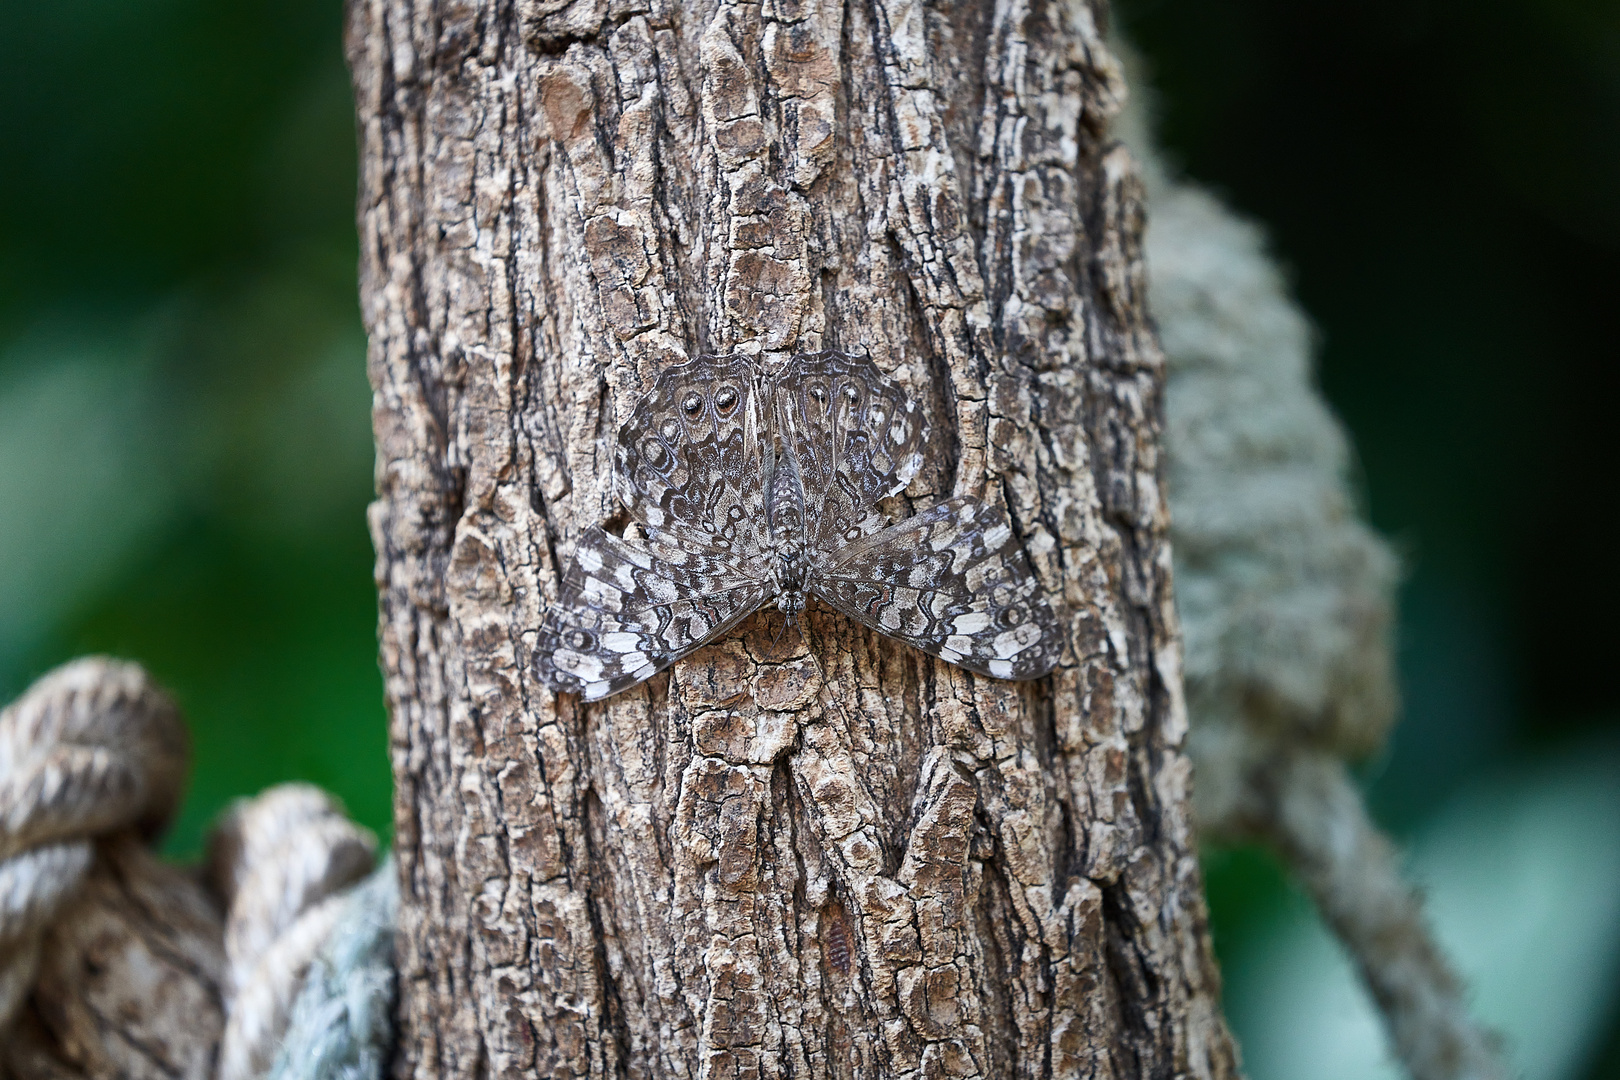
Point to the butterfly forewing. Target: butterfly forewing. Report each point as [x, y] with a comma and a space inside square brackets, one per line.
[954, 582]
[855, 436]
[624, 614]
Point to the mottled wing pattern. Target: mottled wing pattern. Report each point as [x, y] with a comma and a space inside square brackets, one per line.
[624, 614]
[953, 581]
[693, 457]
[855, 436]
[729, 525]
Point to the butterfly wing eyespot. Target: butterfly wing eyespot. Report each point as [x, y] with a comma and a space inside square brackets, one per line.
[1008, 617]
[692, 403]
[725, 400]
[655, 453]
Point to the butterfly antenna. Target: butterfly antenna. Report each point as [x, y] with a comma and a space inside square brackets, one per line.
[827, 695]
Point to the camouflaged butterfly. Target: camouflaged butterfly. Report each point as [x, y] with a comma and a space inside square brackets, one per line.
[752, 486]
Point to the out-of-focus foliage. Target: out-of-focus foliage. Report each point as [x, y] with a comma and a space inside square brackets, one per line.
[185, 447]
[185, 454]
[1443, 179]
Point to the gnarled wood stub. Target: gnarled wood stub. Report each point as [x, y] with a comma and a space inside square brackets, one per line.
[829, 856]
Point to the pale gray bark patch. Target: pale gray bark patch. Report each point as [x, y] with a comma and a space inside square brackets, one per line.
[830, 856]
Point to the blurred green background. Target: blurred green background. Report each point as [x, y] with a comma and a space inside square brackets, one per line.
[185, 449]
[185, 436]
[1443, 180]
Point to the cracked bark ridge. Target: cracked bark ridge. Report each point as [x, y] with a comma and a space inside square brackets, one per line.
[828, 855]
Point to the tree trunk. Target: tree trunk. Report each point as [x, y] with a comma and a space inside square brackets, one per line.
[836, 856]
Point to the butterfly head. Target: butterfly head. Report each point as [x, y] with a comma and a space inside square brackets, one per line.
[790, 603]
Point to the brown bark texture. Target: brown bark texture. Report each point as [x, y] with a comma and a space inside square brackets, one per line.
[831, 856]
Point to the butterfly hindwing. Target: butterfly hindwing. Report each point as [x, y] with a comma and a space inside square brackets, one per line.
[624, 614]
[855, 435]
[953, 581]
[691, 457]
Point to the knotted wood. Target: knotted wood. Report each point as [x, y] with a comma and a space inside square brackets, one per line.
[826, 856]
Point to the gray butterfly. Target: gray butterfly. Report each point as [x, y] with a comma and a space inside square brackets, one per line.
[751, 486]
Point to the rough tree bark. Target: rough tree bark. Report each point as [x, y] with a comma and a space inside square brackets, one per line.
[769, 862]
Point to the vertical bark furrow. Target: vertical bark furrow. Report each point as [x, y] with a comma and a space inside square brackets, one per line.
[830, 855]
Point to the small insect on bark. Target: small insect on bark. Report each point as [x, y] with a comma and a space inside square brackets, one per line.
[753, 486]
